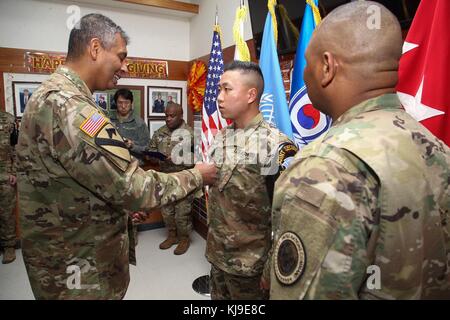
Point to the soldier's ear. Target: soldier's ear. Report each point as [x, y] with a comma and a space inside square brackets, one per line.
[329, 68]
[95, 46]
[252, 95]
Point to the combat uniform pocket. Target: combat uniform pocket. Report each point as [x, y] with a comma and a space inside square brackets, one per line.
[304, 238]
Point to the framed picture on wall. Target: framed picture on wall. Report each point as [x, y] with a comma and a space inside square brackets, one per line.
[155, 124]
[111, 108]
[159, 97]
[101, 99]
[22, 92]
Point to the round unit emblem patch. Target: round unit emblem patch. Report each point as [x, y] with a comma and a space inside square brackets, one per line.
[290, 258]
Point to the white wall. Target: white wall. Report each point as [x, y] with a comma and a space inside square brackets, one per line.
[202, 25]
[41, 25]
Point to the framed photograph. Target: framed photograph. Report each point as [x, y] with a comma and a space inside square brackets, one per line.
[155, 124]
[101, 99]
[159, 97]
[111, 108]
[22, 92]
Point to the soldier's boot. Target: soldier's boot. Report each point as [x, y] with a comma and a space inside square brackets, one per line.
[9, 255]
[170, 241]
[183, 246]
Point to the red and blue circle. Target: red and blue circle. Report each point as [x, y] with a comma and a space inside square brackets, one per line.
[307, 122]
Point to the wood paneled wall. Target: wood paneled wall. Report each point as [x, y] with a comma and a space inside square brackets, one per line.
[13, 60]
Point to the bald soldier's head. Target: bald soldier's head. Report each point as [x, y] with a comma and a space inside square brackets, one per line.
[174, 115]
[353, 56]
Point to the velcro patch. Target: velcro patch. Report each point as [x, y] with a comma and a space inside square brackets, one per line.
[312, 195]
[93, 124]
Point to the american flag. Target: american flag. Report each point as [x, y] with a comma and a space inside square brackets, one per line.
[212, 120]
[93, 124]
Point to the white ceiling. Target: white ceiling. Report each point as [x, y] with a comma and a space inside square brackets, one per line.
[135, 7]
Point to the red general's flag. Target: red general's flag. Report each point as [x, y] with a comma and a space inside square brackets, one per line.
[424, 74]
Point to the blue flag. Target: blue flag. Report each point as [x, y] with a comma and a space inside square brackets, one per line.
[307, 122]
[273, 103]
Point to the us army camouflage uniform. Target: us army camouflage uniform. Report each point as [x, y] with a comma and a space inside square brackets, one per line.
[135, 129]
[73, 189]
[7, 192]
[239, 207]
[364, 213]
[177, 216]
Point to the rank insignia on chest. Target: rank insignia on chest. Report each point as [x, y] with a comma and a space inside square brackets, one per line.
[93, 124]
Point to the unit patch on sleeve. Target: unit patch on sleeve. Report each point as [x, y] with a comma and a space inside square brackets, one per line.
[290, 258]
[110, 140]
[93, 123]
[286, 153]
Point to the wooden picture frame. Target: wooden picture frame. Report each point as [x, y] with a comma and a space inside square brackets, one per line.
[154, 124]
[138, 100]
[22, 92]
[156, 106]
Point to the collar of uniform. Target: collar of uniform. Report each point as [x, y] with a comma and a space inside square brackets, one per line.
[385, 101]
[256, 121]
[75, 78]
[167, 131]
[183, 125]
[130, 118]
[248, 130]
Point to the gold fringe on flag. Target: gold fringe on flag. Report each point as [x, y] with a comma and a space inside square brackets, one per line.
[271, 5]
[217, 28]
[316, 12]
[241, 45]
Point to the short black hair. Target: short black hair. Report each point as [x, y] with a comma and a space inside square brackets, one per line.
[124, 93]
[93, 26]
[248, 67]
[244, 67]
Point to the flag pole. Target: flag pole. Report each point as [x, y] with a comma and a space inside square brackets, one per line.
[216, 21]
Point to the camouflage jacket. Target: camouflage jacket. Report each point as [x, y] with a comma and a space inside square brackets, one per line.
[7, 152]
[164, 140]
[239, 203]
[363, 213]
[135, 129]
[75, 178]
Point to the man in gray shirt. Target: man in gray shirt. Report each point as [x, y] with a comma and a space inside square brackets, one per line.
[132, 128]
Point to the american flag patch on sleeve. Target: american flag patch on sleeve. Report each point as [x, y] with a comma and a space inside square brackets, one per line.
[93, 124]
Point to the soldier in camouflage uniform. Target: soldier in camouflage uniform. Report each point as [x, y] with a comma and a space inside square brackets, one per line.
[7, 190]
[362, 213]
[248, 155]
[130, 127]
[177, 216]
[76, 176]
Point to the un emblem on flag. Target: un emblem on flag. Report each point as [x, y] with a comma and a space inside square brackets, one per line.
[307, 122]
[266, 108]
